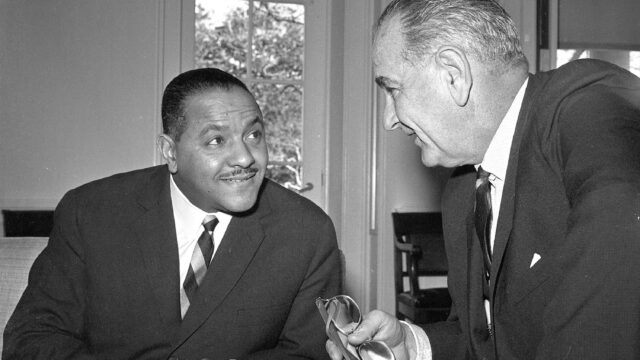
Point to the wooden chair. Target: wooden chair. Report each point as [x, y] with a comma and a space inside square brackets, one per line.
[419, 251]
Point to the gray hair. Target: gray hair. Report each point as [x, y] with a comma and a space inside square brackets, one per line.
[481, 28]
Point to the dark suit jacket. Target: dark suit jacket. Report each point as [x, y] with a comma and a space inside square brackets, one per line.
[572, 196]
[107, 285]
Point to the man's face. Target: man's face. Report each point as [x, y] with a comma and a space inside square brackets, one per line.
[418, 101]
[219, 161]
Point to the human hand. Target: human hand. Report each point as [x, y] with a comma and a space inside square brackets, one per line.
[379, 326]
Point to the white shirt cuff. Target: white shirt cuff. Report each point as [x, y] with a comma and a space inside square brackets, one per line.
[421, 341]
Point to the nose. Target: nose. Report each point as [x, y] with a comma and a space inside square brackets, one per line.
[389, 115]
[241, 155]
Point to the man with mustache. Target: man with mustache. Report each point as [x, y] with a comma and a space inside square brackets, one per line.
[541, 217]
[199, 258]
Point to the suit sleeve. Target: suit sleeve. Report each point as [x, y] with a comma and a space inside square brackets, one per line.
[445, 337]
[303, 335]
[48, 320]
[595, 312]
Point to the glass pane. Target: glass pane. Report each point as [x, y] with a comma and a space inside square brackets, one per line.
[289, 175]
[634, 62]
[222, 36]
[282, 111]
[278, 44]
[629, 60]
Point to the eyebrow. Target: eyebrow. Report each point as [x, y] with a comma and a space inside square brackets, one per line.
[220, 128]
[383, 82]
[256, 120]
[212, 127]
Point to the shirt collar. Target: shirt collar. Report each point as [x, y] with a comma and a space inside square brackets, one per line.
[496, 158]
[188, 217]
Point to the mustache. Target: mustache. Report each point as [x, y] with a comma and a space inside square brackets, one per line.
[239, 172]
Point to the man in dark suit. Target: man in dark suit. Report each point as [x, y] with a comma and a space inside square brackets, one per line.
[542, 215]
[127, 273]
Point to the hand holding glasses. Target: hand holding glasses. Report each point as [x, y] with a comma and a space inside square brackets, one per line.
[341, 313]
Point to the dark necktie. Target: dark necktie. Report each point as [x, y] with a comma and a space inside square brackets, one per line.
[483, 217]
[200, 260]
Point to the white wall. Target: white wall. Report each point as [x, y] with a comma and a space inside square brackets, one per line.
[523, 13]
[79, 94]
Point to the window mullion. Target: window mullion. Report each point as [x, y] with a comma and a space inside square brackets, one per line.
[251, 29]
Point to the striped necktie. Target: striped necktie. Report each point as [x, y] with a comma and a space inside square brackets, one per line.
[483, 217]
[200, 260]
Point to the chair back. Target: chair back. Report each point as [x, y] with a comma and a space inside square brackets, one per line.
[419, 234]
[27, 223]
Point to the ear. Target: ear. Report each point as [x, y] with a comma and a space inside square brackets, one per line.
[167, 148]
[456, 73]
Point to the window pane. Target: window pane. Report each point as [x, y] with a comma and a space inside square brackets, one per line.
[278, 44]
[287, 175]
[634, 62]
[222, 37]
[282, 111]
[629, 60]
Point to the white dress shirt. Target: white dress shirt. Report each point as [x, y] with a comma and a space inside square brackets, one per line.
[188, 219]
[496, 158]
[495, 162]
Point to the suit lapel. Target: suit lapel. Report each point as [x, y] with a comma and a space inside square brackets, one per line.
[238, 247]
[155, 236]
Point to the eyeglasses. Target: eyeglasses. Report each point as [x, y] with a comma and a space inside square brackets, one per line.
[341, 313]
